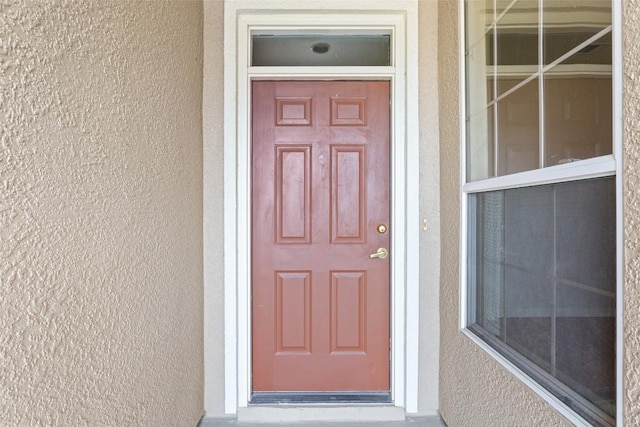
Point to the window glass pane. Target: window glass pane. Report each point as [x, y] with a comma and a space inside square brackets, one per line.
[320, 50]
[528, 265]
[567, 23]
[518, 130]
[517, 44]
[488, 263]
[478, 17]
[542, 280]
[479, 42]
[584, 216]
[586, 289]
[595, 53]
[576, 349]
[578, 106]
[480, 145]
[501, 5]
[480, 77]
[578, 92]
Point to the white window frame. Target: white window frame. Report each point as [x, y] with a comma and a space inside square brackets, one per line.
[610, 165]
[401, 18]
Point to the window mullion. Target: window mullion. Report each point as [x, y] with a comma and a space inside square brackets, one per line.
[541, 124]
[554, 300]
[496, 130]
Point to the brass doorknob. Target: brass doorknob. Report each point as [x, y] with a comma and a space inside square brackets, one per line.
[380, 253]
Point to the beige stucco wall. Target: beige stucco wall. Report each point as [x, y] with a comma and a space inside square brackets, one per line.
[631, 209]
[100, 213]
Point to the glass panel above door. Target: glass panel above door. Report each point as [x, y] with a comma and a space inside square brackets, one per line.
[320, 50]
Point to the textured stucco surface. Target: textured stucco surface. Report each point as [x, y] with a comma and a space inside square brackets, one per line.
[631, 209]
[100, 213]
[429, 207]
[213, 128]
[474, 389]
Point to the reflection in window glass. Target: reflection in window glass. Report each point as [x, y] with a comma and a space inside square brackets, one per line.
[518, 130]
[578, 117]
[568, 23]
[517, 43]
[542, 269]
[478, 55]
[482, 84]
[597, 52]
[481, 89]
[501, 5]
[489, 11]
[577, 92]
[479, 17]
[480, 145]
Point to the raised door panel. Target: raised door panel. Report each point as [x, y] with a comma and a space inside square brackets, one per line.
[348, 195]
[293, 194]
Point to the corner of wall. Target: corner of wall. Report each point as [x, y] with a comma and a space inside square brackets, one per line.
[213, 138]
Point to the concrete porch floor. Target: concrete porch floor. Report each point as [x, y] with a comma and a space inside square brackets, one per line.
[409, 422]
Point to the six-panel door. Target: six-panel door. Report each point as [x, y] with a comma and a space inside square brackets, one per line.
[320, 190]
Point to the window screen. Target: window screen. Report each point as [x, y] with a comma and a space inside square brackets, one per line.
[543, 272]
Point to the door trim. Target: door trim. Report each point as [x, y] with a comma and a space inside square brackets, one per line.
[240, 18]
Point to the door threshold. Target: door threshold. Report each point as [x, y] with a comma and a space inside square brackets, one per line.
[323, 397]
[321, 413]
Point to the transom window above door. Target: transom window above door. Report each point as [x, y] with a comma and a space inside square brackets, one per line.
[320, 49]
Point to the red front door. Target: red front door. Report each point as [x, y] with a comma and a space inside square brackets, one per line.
[320, 208]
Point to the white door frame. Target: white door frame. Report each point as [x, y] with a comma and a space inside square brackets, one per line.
[400, 18]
